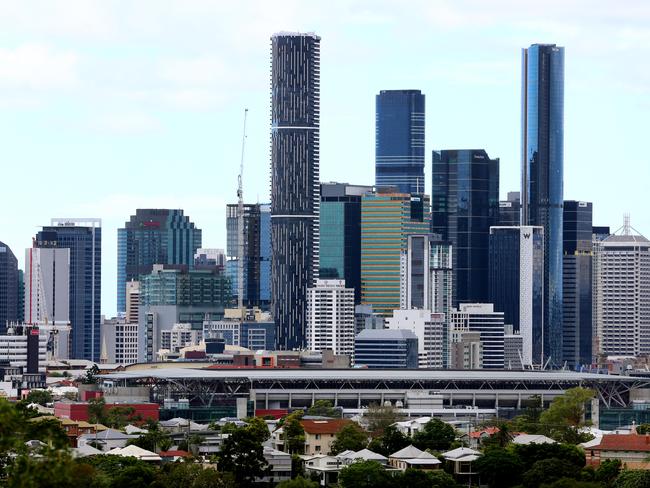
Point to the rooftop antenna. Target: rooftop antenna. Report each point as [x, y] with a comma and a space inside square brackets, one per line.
[626, 224]
[240, 223]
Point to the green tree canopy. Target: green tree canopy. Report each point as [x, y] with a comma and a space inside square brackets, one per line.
[258, 428]
[547, 471]
[608, 471]
[531, 453]
[415, 478]
[243, 455]
[294, 433]
[633, 479]
[366, 474]
[351, 437]
[390, 441]
[42, 397]
[565, 416]
[378, 417]
[435, 435]
[298, 482]
[499, 468]
[324, 408]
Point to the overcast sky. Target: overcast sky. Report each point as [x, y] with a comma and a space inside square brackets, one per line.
[108, 106]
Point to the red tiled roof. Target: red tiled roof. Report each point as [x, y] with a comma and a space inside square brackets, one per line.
[324, 426]
[179, 453]
[624, 442]
[489, 431]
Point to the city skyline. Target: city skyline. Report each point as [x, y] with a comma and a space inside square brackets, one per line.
[56, 114]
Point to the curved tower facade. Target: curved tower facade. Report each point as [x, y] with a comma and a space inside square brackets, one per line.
[295, 190]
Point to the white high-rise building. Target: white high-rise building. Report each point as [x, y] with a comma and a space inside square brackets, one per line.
[429, 329]
[623, 293]
[119, 343]
[330, 317]
[132, 301]
[47, 285]
[481, 317]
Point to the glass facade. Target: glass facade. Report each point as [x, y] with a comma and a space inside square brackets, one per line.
[196, 288]
[464, 204]
[399, 140]
[9, 287]
[84, 239]
[153, 236]
[295, 189]
[543, 173]
[577, 283]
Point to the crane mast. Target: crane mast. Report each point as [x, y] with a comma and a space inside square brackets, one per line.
[240, 224]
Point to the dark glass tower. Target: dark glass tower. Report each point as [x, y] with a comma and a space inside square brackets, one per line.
[510, 210]
[542, 173]
[295, 191]
[399, 140]
[340, 234]
[576, 286]
[84, 239]
[465, 204]
[9, 287]
[153, 236]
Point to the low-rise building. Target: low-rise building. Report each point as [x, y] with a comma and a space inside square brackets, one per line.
[412, 457]
[633, 450]
[320, 434]
[386, 348]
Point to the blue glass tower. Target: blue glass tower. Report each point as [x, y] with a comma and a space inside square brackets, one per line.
[84, 239]
[9, 287]
[399, 140]
[153, 236]
[295, 189]
[542, 192]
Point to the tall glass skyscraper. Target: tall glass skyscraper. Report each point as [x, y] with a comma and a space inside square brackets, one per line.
[399, 140]
[153, 236]
[464, 204]
[295, 185]
[543, 173]
[84, 239]
[9, 287]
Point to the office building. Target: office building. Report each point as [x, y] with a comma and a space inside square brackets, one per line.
[399, 140]
[340, 233]
[366, 318]
[598, 234]
[178, 337]
[623, 293]
[84, 239]
[153, 236]
[387, 219]
[464, 204]
[119, 341]
[428, 328]
[295, 188]
[577, 283]
[256, 331]
[516, 280]
[132, 302]
[386, 348]
[24, 347]
[209, 258]
[510, 210]
[47, 290]
[330, 317]
[9, 287]
[513, 345]
[481, 318]
[21, 296]
[257, 254]
[543, 174]
[465, 350]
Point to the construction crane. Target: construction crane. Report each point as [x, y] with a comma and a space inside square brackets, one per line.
[240, 224]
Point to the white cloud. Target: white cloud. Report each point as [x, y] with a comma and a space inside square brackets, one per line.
[38, 66]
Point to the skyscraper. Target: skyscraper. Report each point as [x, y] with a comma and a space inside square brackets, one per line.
[542, 173]
[399, 140]
[576, 283]
[387, 219]
[464, 204]
[330, 317]
[340, 233]
[510, 210]
[295, 190]
[516, 282]
[84, 239]
[153, 236]
[47, 291]
[8, 287]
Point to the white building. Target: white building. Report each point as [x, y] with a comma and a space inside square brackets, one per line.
[466, 350]
[513, 345]
[330, 317]
[47, 285]
[119, 343]
[13, 348]
[180, 336]
[481, 317]
[429, 329]
[623, 293]
[132, 301]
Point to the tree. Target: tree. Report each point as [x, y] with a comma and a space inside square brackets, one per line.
[633, 479]
[531, 453]
[190, 475]
[643, 429]
[48, 431]
[135, 476]
[571, 483]
[440, 479]
[53, 468]
[294, 433]
[42, 397]
[435, 435]
[324, 408]
[608, 471]
[548, 471]
[499, 467]
[117, 417]
[351, 437]
[390, 441]
[298, 482]
[378, 417]
[366, 474]
[259, 429]
[154, 439]
[243, 456]
[97, 410]
[90, 377]
[415, 478]
[565, 416]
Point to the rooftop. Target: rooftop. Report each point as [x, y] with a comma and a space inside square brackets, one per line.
[324, 426]
[624, 442]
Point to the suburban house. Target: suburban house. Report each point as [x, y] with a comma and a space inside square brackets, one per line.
[320, 434]
[633, 450]
[412, 457]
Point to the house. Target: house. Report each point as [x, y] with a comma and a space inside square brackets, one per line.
[280, 464]
[349, 457]
[412, 457]
[326, 467]
[172, 456]
[320, 434]
[105, 440]
[525, 439]
[136, 452]
[86, 450]
[633, 450]
[461, 460]
[474, 438]
[410, 427]
[179, 424]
